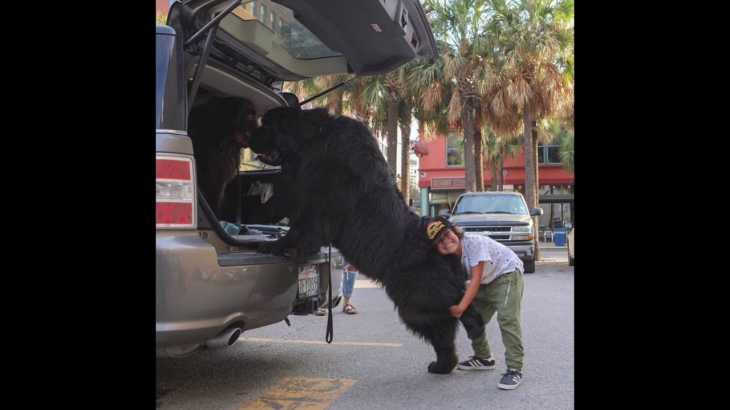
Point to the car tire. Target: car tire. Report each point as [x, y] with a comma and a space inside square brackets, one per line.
[529, 266]
[571, 261]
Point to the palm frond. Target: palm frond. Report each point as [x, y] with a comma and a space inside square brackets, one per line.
[455, 106]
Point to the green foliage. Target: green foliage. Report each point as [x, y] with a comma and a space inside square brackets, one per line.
[567, 150]
[161, 18]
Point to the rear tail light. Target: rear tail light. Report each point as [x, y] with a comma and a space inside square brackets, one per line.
[175, 204]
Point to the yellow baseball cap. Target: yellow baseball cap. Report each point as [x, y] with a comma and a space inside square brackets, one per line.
[437, 228]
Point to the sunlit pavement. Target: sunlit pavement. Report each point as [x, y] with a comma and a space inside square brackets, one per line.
[375, 363]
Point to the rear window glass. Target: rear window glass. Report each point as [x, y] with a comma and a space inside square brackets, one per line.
[289, 32]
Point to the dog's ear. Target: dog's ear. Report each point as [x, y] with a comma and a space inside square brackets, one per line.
[291, 100]
[275, 116]
[312, 121]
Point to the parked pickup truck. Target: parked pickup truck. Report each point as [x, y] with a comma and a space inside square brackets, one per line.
[503, 216]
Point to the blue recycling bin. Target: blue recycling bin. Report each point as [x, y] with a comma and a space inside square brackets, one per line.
[559, 238]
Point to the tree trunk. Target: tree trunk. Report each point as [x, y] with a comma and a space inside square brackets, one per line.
[468, 123]
[501, 168]
[405, 132]
[391, 133]
[478, 159]
[537, 191]
[537, 163]
[527, 143]
[529, 159]
[494, 165]
[335, 102]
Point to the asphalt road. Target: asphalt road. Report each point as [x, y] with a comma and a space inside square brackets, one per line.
[375, 363]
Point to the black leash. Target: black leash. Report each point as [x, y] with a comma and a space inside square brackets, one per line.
[330, 329]
[326, 228]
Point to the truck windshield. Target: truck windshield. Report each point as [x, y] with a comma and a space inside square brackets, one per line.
[491, 204]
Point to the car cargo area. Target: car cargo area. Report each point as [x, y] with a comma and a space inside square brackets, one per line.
[244, 196]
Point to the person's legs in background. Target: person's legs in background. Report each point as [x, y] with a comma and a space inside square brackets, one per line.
[348, 284]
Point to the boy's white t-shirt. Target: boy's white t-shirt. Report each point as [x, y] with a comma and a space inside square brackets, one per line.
[498, 258]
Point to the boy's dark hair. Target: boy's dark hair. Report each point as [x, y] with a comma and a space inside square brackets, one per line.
[458, 231]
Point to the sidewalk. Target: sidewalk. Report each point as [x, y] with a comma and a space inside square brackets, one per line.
[551, 246]
[549, 253]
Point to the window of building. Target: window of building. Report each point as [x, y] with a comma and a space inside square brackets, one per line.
[454, 150]
[263, 13]
[548, 154]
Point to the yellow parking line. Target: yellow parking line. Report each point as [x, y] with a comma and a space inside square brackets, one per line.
[301, 393]
[319, 342]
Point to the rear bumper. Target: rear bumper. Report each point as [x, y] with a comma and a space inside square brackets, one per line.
[196, 298]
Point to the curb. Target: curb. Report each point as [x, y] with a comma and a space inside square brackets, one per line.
[550, 261]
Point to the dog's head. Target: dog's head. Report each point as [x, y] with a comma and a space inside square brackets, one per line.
[284, 131]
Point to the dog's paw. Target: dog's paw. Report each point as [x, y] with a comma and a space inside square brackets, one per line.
[440, 368]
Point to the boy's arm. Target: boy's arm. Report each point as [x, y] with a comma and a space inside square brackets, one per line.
[471, 291]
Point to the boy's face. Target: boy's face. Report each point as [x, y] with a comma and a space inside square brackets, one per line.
[449, 243]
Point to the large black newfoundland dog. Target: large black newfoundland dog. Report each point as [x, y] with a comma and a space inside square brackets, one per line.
[344, 195]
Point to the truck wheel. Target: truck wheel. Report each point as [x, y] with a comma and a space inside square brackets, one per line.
[529, 266]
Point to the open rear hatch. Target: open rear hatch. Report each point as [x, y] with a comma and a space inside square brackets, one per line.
[293, 39]
[269, 41]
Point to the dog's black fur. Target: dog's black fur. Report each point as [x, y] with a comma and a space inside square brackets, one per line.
[344, 194]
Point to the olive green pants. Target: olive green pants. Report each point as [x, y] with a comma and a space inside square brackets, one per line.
[503, 296]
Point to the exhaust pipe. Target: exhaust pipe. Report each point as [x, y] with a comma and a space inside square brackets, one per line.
[225, 339]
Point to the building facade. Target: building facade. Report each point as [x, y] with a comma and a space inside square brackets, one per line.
[441, 179]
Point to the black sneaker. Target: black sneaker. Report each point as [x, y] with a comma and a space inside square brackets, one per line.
[510, 380]
[476, 363]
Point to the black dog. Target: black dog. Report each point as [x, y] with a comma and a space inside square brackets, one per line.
[344, 194]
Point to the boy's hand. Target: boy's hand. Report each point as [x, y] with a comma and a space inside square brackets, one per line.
[456, 311]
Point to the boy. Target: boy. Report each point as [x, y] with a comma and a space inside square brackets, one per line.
[496, 286]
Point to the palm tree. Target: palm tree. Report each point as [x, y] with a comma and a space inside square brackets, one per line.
[431, 88]
[461, 25]
[388, 102]
[405, 117]
[567, 152]
[535, 38]
[161, 18]
[497, 148]
[410, 107]
[566, 136]
[376, 99]
[333, 100]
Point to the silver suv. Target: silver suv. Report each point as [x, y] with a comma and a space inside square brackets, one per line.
[503, 216]
[212, 282]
